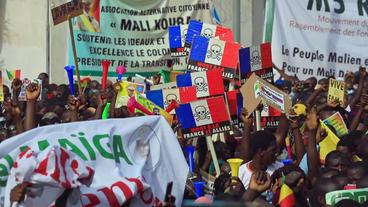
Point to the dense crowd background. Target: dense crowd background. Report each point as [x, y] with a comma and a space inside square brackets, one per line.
[263, 172]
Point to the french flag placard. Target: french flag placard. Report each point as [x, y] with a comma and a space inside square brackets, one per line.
[235, 103]
[197, 28]
[207, 83]
[164, 97]
[203, 117]
[211, 54]
[256, 59]
[177, 36]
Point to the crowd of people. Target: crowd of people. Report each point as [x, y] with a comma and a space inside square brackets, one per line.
[262, 173]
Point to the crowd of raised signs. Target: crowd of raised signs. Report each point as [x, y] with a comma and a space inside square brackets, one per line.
[283, 165]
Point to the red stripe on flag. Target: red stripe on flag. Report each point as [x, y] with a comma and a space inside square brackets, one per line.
[266, 55]
[224, 33]
[217, 109]
[215, 84]
[232, 102]
[230, 58]
[17, 74]
[187, 94]
[288, 201]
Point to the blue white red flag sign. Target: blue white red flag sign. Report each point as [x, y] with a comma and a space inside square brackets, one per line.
[164, 97]
[177, 36]
[207, 83]
[235, 103]
[212, 54]
[256, 59]
[203, 117]
[197, 28]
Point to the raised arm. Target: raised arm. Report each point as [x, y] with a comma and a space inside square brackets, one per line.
[362, 78]
[362, 107]
[32, 93]
[312, 124]
[244, 146]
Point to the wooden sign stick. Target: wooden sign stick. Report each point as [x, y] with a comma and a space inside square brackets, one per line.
[75, 54]
[211, 147]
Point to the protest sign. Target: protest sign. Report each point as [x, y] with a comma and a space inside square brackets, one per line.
[177, 36]
[328, 144]
[337, 122]
[25, 83]
[258, 60]
[13, 74]
[359, 195]
[214, 54]
[132, 158]
[128, 89]
[319, 38]
[73, 8]
[235, 103]
[153, 108]
[207, 83]
[197, 28]
[257, 90]
[203, 117]
[135, 35]
[164, 97]
[336, 91]
[270, 122]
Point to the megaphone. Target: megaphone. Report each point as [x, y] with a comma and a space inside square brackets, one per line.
[120, 70]
[69, 70]
[234, 165]
[190, 152]
[173, 105]
[133, 104]
[198, 187]
[105, 69]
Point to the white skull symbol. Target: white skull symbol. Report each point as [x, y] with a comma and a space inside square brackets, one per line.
[169, 98]
[201, 113]
[214, 52]
[256, 59]
[207, 33]
[200, 84]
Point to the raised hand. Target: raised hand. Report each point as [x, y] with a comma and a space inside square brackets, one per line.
[33, 91]
[260, 181]
[117, 87]
[73, 103]
[312, 119]
[16, 86]
[246, 118]
[12, 108]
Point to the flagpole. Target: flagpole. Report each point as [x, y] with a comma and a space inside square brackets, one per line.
[258, 120]
[74, 53]
[211, 147]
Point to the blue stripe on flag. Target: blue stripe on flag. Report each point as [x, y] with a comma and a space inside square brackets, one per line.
[244, 58]
[199, 49]
[185, 116]
[239, 100]
[184, 80]
[194, 28]
[175, 37]
[156, 97]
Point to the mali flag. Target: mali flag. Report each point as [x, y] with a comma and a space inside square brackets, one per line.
[286, 198]
[169, 76]
[13, 74]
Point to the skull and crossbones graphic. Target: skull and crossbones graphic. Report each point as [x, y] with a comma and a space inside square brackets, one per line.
[201, 113]
[201, 84]
[207, 33]
[169, 98]
[256, 59]
[214, 52]
[184, 36]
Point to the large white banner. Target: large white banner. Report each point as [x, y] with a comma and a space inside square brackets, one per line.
[320, 38]
[120, 151]
[134, 34]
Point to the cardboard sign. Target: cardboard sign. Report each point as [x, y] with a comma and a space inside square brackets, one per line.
[214, 54]
[204, 117]
[207, 83]
[128, 89]
[61, 13]
[258, 60]
[258, 90]
[197, 28]
[359, 195]
[25, 83]
[235, 103]
[270, 122]
[337, 122]
[336, 91]
[177, 36]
